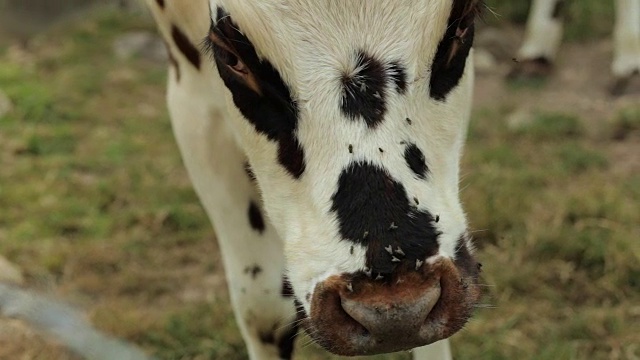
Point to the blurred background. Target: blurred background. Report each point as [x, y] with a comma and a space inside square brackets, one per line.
[96, 208]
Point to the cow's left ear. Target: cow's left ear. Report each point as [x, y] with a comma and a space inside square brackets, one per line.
[461, 21]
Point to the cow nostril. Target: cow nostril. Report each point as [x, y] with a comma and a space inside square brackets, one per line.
[387, 313]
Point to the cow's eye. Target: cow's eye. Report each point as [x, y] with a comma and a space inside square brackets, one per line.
[236, 65]
[232, 61]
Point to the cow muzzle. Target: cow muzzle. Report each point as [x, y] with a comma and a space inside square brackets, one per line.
[353, 314]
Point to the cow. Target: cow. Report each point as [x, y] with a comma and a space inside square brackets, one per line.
[544, 34]
[323, 139]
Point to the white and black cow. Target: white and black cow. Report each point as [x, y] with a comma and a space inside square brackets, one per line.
[330, 173]
[544, 35]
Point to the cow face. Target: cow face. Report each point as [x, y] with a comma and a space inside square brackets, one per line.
[353, 116]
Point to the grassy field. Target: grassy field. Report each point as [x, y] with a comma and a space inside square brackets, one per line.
[585, 19]
[95, 207]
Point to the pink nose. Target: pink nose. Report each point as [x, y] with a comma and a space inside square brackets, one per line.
[356, 315]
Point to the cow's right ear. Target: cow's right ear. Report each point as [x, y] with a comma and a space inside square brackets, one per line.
[463, 16]
[466, 11]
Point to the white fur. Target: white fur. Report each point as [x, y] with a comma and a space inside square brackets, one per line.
[310, 42]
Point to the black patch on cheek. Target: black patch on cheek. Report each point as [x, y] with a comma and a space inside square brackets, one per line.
[291, 155]
[450, 59]
[398, 74]
[255, 218]
[416, 161]
[160, 3]
[186, 47]
[364, 90]
[373, 210]
[272, 112]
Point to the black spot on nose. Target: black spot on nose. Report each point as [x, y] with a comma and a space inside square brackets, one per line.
[416, 161]
[160, 3]
[369, 201]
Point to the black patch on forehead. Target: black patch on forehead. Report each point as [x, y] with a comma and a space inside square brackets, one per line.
[451, 56]
[160, 3]
[273, 112]
[416, 161]
[373, 210]
[185, 46]
[398, 74]
[255, 218]
[364, 90]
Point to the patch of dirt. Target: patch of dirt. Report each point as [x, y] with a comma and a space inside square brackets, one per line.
[14, 336]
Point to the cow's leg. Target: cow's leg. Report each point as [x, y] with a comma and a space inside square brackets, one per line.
[251, 251]
[626, 62]
[440, 350]
[542, 39]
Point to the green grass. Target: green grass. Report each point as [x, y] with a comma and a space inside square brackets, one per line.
[548, 126]
[560, 241]
[626, 123]
[94, 201]
[584, 19]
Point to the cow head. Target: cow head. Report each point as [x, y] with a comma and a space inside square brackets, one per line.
[353, 116]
